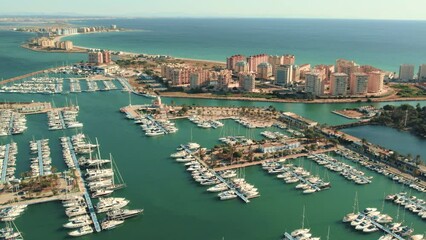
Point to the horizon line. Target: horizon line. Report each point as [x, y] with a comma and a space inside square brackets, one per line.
[46, 15]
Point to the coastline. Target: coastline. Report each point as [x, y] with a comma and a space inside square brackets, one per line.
[316, 101]
[82, 49]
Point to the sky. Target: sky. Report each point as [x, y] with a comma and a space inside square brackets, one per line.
[342, 9]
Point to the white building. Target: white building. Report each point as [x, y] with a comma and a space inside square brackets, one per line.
[406, 72]
[359, 83]
[339, 84]
[314, 84]
[284, 75]
[422, 72]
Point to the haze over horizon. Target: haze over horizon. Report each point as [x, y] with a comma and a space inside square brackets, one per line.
[328, 9]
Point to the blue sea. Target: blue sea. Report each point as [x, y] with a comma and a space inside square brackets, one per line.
[385, 44]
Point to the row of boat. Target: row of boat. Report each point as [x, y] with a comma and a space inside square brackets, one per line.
[8, 162]
[10, 232]
[371, 220]
[155, 127]
[380, 168]
[79, 218]
[294, 174]
[205, 123]
[92, 86]
[11, 213]
[411, 203]
[225, 182]
[100, 182]
[344, 169]
[43, 85]
[273, 135]
[65, 118]
[75, 86]
[232, 140]
[109, 85]
[12, 123]
[41, 164]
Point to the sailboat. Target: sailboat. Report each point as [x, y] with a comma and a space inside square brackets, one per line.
[353, 215]
[119, 183]
[302, 232]
[10, 232]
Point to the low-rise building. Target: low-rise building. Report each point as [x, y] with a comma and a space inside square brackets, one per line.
[277, 147]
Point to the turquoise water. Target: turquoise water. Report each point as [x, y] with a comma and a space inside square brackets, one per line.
[174, 204]
[385, 44]
[176, 207]
[15, 61]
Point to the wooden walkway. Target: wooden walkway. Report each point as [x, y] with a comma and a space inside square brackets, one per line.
[248, 164]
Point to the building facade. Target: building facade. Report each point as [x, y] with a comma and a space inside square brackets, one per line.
[422, 72]
[339, 84]
[284, 75]
[375, 81]
[406, 72]
[247, 82]
[264, 70]
[314, 84]
[254, 61]
[359, 83]
[232, 61]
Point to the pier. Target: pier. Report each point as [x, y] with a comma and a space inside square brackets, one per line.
[40, 158]
[149, 117]
[287, 236]
[343, 166]
[126, 85]
[228, 184]
[12, 117]
[5, 160]
[383, 228]
[86, 194]
[61, 118]
[303, 180]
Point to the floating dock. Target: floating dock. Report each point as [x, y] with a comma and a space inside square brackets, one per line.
[344, 166]
[287, 236]
[11, 123]
[126, 85]
[5, 160]
[86, 193]
[303, 180]
[61, 118]
[157, 124]
[383, 228]
[40, 158]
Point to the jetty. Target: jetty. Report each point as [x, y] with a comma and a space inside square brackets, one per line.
[227, 183]
[303, 180]
[40, 158]
[5, 160]
[383, 228]
[126, 85]
[86, 193]
[12, 117]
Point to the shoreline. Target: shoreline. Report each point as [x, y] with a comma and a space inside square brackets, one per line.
[317, 101]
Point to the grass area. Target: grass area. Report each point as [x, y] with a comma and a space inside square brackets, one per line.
[408, 91]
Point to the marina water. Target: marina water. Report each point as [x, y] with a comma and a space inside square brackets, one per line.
[175, 206]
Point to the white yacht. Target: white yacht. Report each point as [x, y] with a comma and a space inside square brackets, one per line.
[81, 231]
[111, 224]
